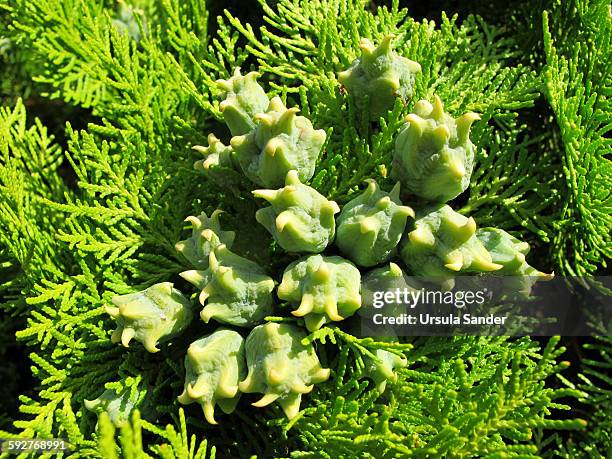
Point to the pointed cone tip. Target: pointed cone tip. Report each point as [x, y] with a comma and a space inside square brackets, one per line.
[366, 47]
[264, 118]
[331, 310]
[246, 385]
[266, 400]
[112, 311]
[470, 225]
[268, 195]
[421, 236]
[547, 277]
[213, 261]
[406, 211]
[126, 336]
[395, 270]
[322, 374]
[205, 314]
[331, 207]
[283, 219]
[383, 202]
[456, 266]
[415, 124]
[214, 217]
[204, 295]
[194, 352]
[438, 108]
[274, 145]
[209, 413]
[193, 276]
[195, 221]
[252, 75]
[292, 178]
[276, 104]
[91, 404]
[196, 392]
[208, 234]
[286, 120]
[226, 391]
[368, 225]
[184, 398]
[236, 142]
[486, 265]
[302, 388]
[306, 306]
[200, 149]
[385, 45]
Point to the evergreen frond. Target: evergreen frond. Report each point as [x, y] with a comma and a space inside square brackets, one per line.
[578, 81]
[471, 397]
[164, 443]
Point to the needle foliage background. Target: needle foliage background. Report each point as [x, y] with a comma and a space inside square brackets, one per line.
[101, 104]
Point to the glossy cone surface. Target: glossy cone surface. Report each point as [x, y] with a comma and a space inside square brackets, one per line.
[280, 141]
[322, 289]
[379, 76]
[214, 366]
[444, 244]
[300, 219]
[234, 290]
[281, 367]
[434, 156]
[156, 314]
[371, 225]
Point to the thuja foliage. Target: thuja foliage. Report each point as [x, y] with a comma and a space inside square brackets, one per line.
[594, 381]
[169, 443]
[579, 95]
[463, 397]
[99, 216]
